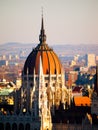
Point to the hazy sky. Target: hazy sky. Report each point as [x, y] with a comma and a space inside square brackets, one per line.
[66, 21]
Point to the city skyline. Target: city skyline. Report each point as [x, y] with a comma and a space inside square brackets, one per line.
[43, 93]
[66, 22]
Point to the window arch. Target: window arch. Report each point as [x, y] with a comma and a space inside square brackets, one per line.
[21, 126]
[14, 126]
[27, 126]
[1, 126]
[8, 126]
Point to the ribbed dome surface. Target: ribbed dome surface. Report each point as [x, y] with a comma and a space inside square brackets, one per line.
[50, 61]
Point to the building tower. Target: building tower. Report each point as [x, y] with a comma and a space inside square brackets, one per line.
[42, 84]
[90, 60]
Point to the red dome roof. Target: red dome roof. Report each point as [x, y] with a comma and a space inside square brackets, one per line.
[50, 61]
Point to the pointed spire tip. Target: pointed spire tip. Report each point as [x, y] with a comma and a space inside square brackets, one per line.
[42, 10]
[42, 36]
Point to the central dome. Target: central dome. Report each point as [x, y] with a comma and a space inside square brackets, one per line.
[50, 61]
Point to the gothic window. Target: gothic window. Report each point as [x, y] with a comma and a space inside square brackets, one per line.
[27, 127]
[41, 96]
[37, 78]
[14, 126]
[53, 84]
[31, 85]
[7, 127]
[31, 78]
[53, 78]
[21, 127]
[46, 84]
[1, 126]
[46, 78]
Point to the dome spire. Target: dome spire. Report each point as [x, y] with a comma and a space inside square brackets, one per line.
[42, 36]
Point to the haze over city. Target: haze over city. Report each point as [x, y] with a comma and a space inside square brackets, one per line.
[66, 21]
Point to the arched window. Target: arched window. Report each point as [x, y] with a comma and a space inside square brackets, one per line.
[14, 126]
[1, 126]
[8, 126]
[27, 127]
[21, 127]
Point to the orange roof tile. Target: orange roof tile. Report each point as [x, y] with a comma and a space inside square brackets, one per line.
[82, 101]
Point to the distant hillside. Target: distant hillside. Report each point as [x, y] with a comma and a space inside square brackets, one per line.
[81, 49]
[69, 50]
[15, 48]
